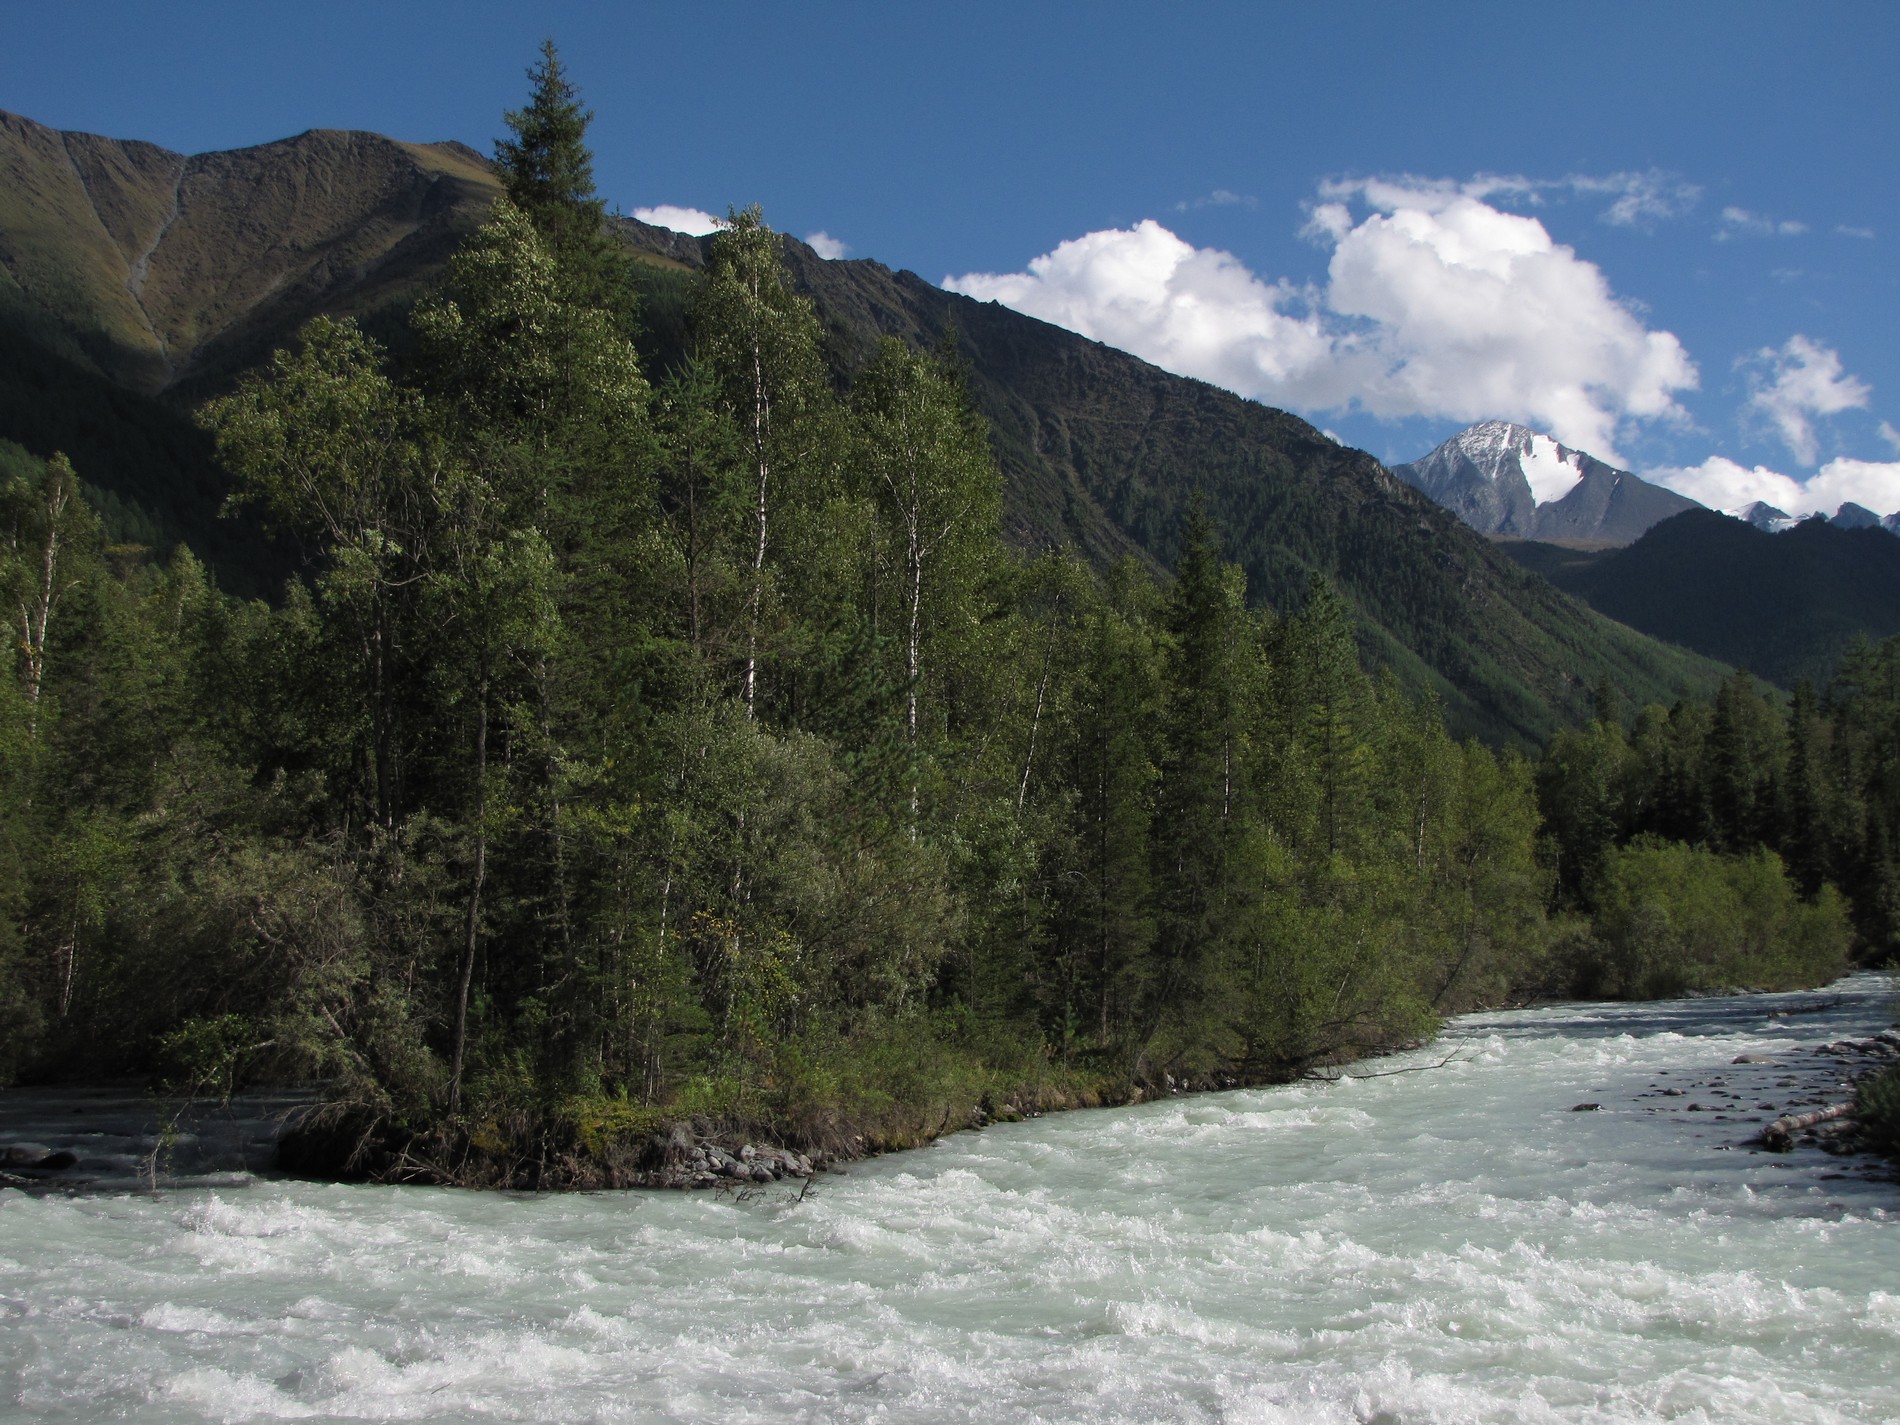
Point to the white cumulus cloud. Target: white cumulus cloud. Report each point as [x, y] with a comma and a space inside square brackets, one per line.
[826, 246]
[1722, 484]
[1436, 304]
[1195, 311]
[1793, 385]
[693, 221]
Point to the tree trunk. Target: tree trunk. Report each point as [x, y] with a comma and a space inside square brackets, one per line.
[761, 423]
[35, 616]
[472, 924]
[1778, 1137]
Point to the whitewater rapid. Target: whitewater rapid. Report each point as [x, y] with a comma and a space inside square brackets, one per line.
[1454, 1244]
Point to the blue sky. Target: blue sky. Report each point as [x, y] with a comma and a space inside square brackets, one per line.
[1664, 232]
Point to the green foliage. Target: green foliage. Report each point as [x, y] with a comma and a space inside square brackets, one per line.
[1877, 1110]
[1814, 782]
[1672, 918]
[622, 755]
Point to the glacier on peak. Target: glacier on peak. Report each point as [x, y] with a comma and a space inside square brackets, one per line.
[1552, 470]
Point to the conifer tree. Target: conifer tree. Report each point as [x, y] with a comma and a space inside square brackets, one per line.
[547, 171]
[1115, 794]
[1323, 692]
[1746, 752]
[1804, 831]
[1203, 789]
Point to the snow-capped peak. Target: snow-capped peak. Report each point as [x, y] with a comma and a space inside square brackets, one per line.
[1507, 479]
[1551, 470]
[1763, 516]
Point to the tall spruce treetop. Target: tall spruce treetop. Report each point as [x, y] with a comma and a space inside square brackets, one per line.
[547, 170]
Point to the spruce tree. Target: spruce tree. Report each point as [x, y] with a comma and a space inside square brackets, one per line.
[547, 171]
[1201, 790]
[1803, 836]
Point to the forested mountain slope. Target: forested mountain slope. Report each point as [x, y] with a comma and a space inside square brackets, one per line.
[1785, 606]
[138, 281]
[1101, 450]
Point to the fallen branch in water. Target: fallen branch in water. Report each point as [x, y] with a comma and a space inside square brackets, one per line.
[1817, 1007]
[1312, 1076]
[1778, 1137]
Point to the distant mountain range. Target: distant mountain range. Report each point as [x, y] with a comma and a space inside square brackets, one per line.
[1507, 479]
[1765, 517]
[135, 281]
[1517, 483]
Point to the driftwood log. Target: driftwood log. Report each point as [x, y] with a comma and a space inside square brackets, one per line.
[1778, 1137]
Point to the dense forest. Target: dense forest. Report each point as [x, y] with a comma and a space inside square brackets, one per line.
[636, 746]
[1711, 840]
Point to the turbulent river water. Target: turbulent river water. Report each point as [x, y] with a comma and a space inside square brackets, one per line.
[1454, 1244]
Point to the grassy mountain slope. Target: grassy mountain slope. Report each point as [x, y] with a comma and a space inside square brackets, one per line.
[139, 274]
[134, 281]
[156, 269]
[1785, 606]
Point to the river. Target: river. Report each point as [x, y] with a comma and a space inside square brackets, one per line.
[1452, 1244]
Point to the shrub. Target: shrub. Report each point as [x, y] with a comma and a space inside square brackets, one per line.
[1877, 1111]
[1673, 918]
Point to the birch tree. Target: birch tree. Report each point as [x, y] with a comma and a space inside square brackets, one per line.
[760, 338]
[928, 465]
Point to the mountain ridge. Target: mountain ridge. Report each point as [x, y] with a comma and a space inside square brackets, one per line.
[170, 269]
[1100, 450]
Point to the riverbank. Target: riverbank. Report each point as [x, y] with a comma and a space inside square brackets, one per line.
[596, 1144]
[121, 1138]
[590, 1145]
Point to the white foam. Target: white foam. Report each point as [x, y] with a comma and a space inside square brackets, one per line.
[1444, 1245]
